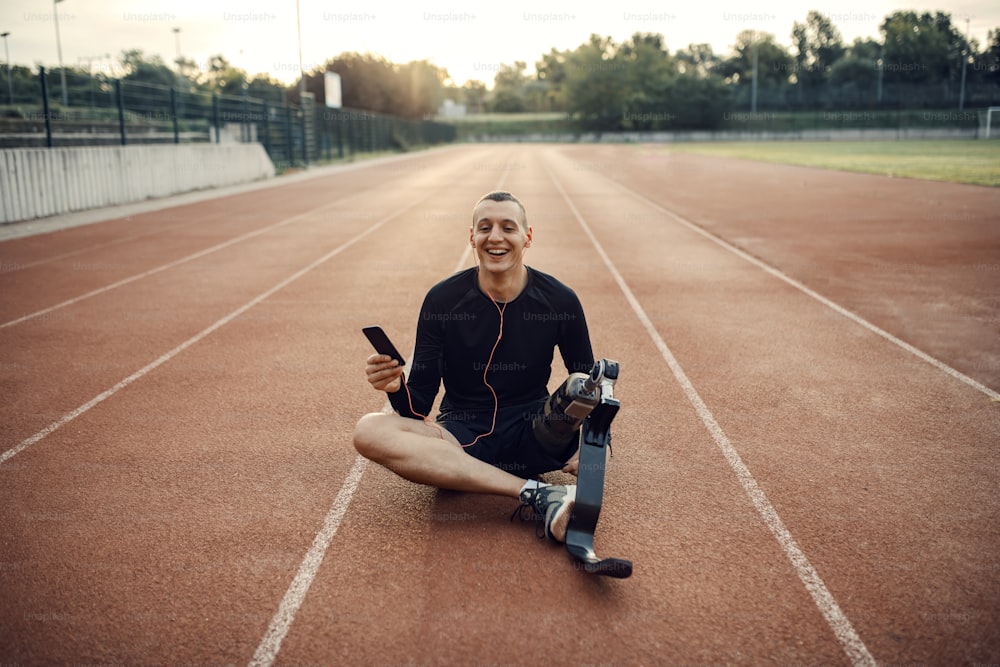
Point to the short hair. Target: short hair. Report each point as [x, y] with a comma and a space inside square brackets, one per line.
[500, 195]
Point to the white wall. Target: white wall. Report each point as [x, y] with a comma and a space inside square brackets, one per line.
[39, 182]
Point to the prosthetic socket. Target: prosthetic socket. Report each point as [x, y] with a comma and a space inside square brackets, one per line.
[559, 423]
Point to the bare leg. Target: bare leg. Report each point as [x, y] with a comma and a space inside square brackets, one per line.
[426, 454]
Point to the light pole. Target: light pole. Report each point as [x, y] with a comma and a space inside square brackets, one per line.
[302, 75]
[10, 86]
[177, 38]
[177, 77]
[62, 70]
[881, 70]
[965, 60]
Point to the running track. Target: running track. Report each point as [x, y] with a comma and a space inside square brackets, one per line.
[805, 467]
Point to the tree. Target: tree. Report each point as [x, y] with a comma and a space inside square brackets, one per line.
[140, 68]
[774, 68]
[474, 96]
[638, 85]
[423, 90]
[989, 62]
[262, 86]
[368, 81]
[983, 71]
[818, 47]
[506, 100]
[916, 47]
[923, 59]
[509, 88]
[188, 69]
[698, 59]
[223, 78]
[697, 102]
[774, 64]
[648, 71]
[853, 79]
[24, 85]
[551, 70]
[510, 76]
[594, 90]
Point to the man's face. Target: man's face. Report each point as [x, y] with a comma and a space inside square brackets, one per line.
[499, 236]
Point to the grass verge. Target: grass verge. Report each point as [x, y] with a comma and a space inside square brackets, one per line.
[976, 162]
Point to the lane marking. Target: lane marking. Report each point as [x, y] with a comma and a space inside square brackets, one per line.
[70, 220]
[100, 398]
[170, 265]
[852, 644]
[267, 650]
[107, 244]
[777, 273]
[281, 622]
[201, 253]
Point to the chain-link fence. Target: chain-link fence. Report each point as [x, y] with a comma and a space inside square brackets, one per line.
[99, 110]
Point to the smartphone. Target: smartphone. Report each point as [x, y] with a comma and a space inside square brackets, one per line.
[382, 344]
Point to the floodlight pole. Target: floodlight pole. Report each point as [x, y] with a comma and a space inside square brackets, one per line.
[302, 76]
[62, 70]
[6, 49]
[177, 45]
[178, 78]
[881, 69]
[965, 60]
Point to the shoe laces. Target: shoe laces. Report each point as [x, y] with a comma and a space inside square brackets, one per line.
[528, 511]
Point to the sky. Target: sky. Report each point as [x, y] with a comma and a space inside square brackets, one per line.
[470, 40]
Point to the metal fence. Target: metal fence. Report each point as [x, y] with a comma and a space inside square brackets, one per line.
[867, 95]
[104, 111]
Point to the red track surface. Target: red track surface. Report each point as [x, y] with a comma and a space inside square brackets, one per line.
[793, 486]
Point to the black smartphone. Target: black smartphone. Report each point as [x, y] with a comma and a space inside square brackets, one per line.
[382, 344]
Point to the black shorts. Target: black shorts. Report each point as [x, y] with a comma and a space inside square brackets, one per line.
[512, 445]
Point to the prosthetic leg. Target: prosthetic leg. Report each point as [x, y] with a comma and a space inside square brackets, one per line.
[591, 400]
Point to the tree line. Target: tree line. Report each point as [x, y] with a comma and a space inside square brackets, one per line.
[369, 82]
[89, 86]
[920, 61]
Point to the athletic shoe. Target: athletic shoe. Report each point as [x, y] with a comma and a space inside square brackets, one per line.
[551, 507]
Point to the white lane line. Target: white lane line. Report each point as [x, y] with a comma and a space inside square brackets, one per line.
[270, 644]
[281, 622]
[100, 398]
[170, 265]
[267, 650]
[920, 354]
[828, 607]
[108, 244]
[9, 232]
[196, 255]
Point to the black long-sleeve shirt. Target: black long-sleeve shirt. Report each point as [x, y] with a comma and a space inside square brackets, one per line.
[458, 328]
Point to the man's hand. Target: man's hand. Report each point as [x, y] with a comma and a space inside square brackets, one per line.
[384, 373]
[573, 465]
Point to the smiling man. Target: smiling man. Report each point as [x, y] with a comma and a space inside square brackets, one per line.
[489, 333]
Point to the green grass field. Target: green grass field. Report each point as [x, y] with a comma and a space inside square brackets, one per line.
[973, 161]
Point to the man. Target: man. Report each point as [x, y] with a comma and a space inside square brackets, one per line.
[489, 333]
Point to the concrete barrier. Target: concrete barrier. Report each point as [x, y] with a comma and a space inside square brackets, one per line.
[39, 182]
